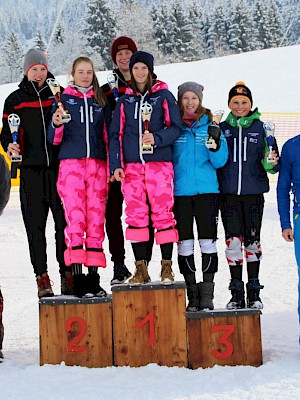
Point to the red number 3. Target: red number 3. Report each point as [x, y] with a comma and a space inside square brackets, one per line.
[223, 339]
[72, 346]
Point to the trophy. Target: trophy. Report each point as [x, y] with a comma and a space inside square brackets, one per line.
[55, 89]
[113, 84]
[269, 128]
[214, 130]
[146, 110]
[14, 124]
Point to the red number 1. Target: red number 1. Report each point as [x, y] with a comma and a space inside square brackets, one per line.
[223, 340]
[150, 319]
[72, 346]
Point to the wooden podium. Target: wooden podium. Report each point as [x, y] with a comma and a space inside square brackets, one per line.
[224, 337]
[149, 325]
[76, 331]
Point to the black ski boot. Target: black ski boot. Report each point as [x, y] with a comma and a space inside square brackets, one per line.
[237, 300]
[206, 293]
[193, 297]
[253, 289]
[79, 285]
[93, 288]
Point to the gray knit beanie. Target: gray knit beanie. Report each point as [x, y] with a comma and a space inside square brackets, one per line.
[34, 57]
[191, 87]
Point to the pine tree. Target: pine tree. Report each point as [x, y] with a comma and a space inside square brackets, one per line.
[182, 33]
[59, 35]
[39, 42]
[12, 57]
[100, 30]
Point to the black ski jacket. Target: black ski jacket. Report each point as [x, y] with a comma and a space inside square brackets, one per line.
[33, 105]
[121, 84]
[4, 183]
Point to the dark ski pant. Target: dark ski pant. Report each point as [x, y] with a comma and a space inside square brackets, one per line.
[114, 229]
[38, 195]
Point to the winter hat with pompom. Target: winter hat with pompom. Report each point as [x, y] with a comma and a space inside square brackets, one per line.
[239, 90]
[34, 57]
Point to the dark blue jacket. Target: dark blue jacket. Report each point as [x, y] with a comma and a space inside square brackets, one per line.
[86, 134]
[245, 171]
[289, 180]
[127, 126]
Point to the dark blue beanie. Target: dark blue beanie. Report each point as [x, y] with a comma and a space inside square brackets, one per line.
[143, 57]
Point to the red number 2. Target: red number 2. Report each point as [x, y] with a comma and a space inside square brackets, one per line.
[72, 346]
[150, 319]
[223, 339]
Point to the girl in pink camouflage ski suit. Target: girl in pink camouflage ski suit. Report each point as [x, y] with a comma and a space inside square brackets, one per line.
[82, 180]
[147, 179]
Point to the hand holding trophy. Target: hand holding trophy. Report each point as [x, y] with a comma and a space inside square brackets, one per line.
[269, 128]
[214, 132]
[14, 124]
[55, 89]
[146, 110]
[113, 84]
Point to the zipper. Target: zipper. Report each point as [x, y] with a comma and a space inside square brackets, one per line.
[245, 148]
[91, 114]
[87, 127]
[234, 150]
[44, 125]
[141, 127]
[81, 114]
[136, 110]
[239, 189]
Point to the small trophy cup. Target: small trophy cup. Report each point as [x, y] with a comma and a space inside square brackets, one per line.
[113, 84]
[217, 116]
[14, 124]
[146, 116]
[55, 89]
[269, 128]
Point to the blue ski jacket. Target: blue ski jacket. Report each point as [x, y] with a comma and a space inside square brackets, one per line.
[194, 165]
[127, 127]
[246, 169]
[289, 181]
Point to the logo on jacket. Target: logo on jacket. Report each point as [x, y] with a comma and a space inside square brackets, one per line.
[72, 102]
[153, 100]
[227, 133]
[130, 99]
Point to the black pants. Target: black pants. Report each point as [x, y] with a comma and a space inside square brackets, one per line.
[114, 229]
[204, 208]
[242, 216]
[38, 195]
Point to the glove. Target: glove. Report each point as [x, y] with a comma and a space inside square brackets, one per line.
[214, 141]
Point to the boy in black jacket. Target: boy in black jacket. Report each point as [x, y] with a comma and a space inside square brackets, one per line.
[32, 102]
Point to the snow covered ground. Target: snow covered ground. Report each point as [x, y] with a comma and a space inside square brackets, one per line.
[267, 73]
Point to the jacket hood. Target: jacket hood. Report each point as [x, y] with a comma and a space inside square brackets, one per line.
[157, 85]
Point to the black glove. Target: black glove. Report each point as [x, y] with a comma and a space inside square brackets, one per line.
[214, 132]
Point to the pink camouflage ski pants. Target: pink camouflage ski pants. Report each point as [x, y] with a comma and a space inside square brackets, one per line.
[152, 181]
[82, 186]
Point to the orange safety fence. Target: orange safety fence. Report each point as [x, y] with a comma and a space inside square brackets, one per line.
[287, 125]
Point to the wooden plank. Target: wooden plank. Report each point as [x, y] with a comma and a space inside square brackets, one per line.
[78, 332]
[149, 325]
[228, 338]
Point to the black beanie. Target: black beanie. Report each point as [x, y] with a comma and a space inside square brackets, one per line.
[239, 90]
[143, 57]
